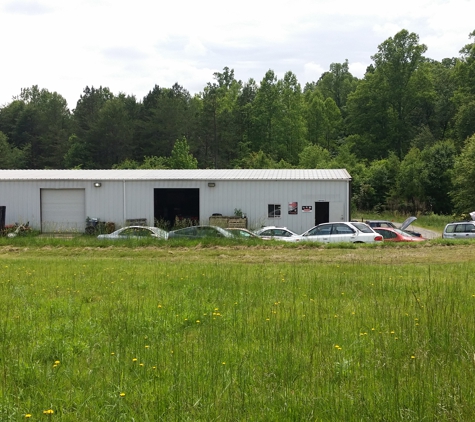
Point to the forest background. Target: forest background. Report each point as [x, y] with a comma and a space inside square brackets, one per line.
[405, 131]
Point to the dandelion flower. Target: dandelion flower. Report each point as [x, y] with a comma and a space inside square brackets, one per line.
[413, 357]
[134, 360]
[122, 394]
[48, 412]
[28, 415]
[57, 362]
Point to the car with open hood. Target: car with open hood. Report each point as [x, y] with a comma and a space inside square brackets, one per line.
[396, 235]
[390, 224]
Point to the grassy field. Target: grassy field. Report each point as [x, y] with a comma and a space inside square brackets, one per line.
[95, 331]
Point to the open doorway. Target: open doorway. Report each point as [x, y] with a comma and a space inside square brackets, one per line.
[322, 212]
[171, 205]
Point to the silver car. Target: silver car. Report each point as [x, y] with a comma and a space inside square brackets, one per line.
[459, 230]
[135, 232]
[278, 233]
[342, 232]
[198, 232]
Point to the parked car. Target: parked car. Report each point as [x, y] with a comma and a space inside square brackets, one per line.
[277, 233]
[355, 232]
[198, 232]
[459, 230]
[135, 232]
[396, 235]
[385, 223]
[242, 233]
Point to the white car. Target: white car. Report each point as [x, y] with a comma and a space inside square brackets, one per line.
[342, 232]
[136, 232]
[278, 233]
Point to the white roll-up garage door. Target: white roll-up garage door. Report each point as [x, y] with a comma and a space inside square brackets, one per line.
[63, 210]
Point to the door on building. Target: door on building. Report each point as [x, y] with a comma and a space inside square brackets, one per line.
[176, 205]
[322, 212]
[63, 210]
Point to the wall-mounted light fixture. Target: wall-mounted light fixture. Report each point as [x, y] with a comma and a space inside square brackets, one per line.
[211, 184]
[97, 184]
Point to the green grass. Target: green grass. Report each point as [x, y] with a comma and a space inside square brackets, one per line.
[236, 333]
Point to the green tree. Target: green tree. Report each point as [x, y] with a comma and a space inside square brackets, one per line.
[314, 157]
[290, 129]
[463, 193]
[394, 98]
[77, 155]
[85, 145]
[10, 156]
[113, 132]
[266, 110]
[377, 184]
[315, 115]
[167, 114]
[410, 193]
[220, 119]
[332, 121]
[464, 96]
[181, 158]
[149, 162]
[439, 160]
[440, 122]
[245, 118]
[337, 84]
[257, 160]
[38, 122]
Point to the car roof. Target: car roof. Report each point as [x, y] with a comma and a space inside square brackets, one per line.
[273, 227]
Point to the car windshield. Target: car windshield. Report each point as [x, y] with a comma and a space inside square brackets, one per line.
[362, 227]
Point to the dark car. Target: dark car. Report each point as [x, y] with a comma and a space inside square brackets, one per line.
[197, 232]
[241, 233]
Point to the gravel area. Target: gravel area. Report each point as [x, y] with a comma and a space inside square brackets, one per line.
[428, 234]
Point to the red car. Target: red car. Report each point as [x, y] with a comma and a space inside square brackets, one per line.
[396, 235]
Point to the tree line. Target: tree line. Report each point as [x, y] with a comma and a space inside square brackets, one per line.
[405, 131]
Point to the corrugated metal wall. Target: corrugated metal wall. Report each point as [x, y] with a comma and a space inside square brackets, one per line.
[117, 201]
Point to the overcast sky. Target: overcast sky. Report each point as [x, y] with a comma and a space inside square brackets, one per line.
[129, 46]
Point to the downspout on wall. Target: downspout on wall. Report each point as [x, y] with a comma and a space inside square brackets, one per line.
[124, 206]
[350, 184]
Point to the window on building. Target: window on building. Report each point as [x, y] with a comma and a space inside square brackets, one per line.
[273, 210]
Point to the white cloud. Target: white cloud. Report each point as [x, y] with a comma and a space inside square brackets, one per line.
[358, 69]
[131, 46]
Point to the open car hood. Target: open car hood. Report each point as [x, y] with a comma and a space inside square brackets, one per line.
[407, 223]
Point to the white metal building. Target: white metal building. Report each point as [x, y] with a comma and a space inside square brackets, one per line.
[61, 200]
